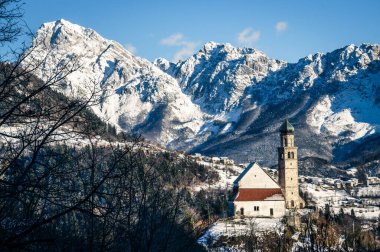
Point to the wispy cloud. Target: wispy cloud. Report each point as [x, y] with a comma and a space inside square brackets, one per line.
[186, 51]
[281, 26]
[130, 48]
[173, 40]
[187, 48]
[248, 37]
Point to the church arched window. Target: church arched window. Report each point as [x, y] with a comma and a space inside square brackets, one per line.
[289, 155]
[292, 203]
[293, 155]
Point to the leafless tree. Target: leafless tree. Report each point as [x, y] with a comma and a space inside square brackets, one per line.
[10, 19]
[69, 183]
[35, 121]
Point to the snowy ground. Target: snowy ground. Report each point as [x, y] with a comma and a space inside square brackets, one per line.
[227, 174]
[338, 199]
[62, 136]
[364, 212]
[322, 196]
[239, 227]
[368, 191]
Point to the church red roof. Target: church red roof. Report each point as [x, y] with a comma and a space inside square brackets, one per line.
[256, 194]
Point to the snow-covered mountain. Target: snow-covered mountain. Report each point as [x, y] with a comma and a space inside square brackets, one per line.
[333, 99]
[217, 76]
[132, 93]
[228, 101]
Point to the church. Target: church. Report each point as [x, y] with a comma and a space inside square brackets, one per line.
[256, 194]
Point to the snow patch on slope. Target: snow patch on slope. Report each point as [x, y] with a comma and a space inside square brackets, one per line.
[323, 119]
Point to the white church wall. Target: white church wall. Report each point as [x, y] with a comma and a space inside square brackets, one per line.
[257, 178]
[263, 208]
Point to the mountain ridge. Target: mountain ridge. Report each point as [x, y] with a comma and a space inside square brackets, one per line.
[225, 100]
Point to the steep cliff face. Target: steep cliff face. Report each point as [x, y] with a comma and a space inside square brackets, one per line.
[132, 93]
[225, 100]
[217, 76]
[332, 98]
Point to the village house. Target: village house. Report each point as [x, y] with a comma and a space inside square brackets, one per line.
[338, 184]
[196, 157]
[372, 180]
[215, 160]
[226, 161]
[256, 194]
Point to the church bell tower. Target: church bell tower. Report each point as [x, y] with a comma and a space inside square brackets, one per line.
[288, 167]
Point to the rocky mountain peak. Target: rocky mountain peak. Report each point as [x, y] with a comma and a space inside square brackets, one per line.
[134, 94]
[226, 100]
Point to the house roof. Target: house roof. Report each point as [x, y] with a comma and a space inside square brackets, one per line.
[257, 194]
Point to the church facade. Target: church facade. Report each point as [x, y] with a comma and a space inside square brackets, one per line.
[256, 194]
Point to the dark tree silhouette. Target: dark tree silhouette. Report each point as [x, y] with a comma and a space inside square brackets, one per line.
[67, 180]
[10, 19]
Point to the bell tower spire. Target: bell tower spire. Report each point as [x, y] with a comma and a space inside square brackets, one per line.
[288, 167]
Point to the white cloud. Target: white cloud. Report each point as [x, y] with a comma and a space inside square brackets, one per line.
[248, 36]
[131, 48]
[186, 51]
[173, 40]
[177, 40]
[281, 26]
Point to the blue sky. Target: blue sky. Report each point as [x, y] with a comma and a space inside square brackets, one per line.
[285, 30]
